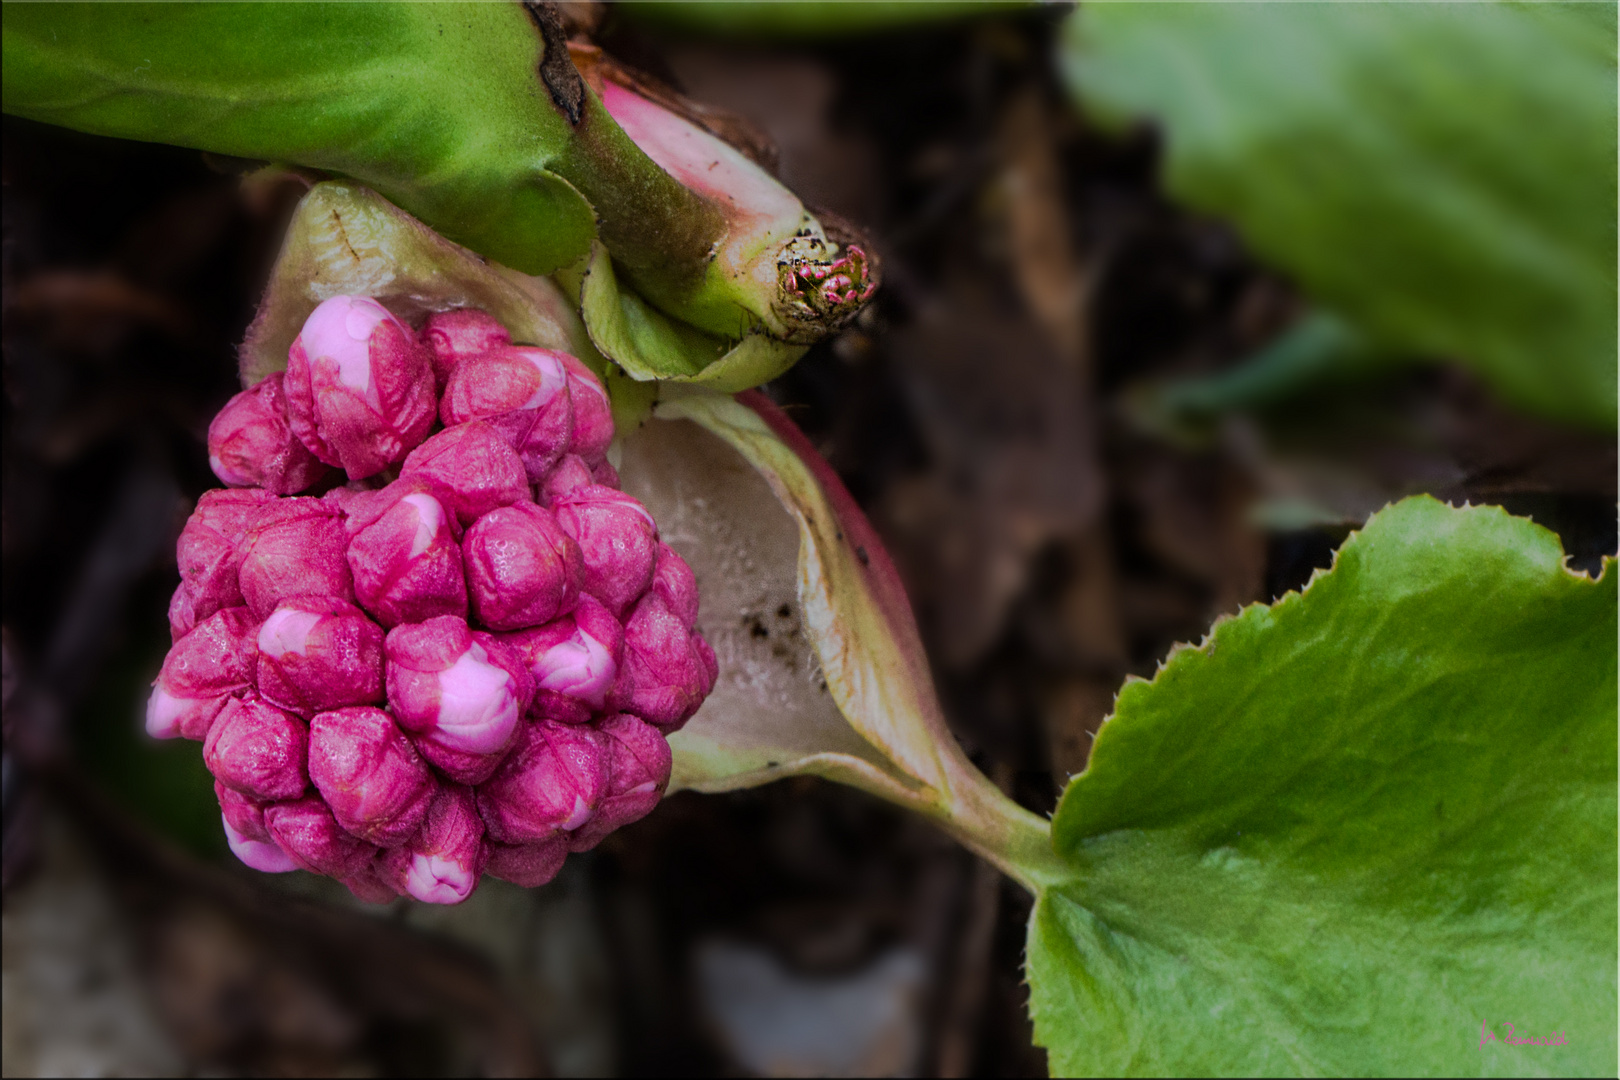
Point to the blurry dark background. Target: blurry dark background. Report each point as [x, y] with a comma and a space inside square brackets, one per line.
[986, 411]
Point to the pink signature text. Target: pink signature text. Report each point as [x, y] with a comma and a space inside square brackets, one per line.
[1486, 1035]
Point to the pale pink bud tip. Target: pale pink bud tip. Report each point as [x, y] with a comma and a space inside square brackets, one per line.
[441, 864]
[376, 785]
[262, 855]
[359, 386]
[251, 445]
[455, 335]
[576, 655]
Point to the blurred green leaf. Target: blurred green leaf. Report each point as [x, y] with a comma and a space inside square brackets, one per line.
[1442, 175]
[1353, 826]
[808, 18]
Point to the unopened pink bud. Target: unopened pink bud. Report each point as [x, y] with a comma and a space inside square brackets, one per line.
[667, 668]
[258, 750]
[316, 654]
[549, 783]
[575, 656]
[442, 862]
[593, 415]
[406, 556]
[676, 585]
[618, 543]
[605, 474]
[209, 554]
[473, 470]
[460, 693]
[522, 392]
[522, 568]
[250, 444]
[639, 762]
[452, 336]
[203, 671]
[306, 830]
[566, 477]
[295, 547]
[528, 865]
[359, 386]
[373, 780]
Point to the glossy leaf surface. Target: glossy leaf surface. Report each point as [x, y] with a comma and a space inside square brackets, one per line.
[1442, 175]
[1353, 826]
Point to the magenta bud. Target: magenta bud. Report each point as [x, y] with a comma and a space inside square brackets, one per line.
[593, 415]
[250, 444]
[522, 392]
[676, 585]
[549, 783]
[522, 568]
[618, 543]
[566, 477]
[244, 814]
[295, 547]
[359, 386]
[405, 556]
[460, 693]
[667, 668]
[528, 865]
[204, 670]
[442, 862]
[316, 654]
[209, 554]
[605, 474]
[306, 830]
[639, 762]
[263, 855]
[452, 336]
[375, 783]
[575, 655]
[473, 470]
[256, 749]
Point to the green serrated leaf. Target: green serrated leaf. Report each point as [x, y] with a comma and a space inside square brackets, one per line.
[1353, 827]
[1441, 174]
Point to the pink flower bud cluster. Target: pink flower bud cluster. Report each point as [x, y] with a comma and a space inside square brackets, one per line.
[462, 660]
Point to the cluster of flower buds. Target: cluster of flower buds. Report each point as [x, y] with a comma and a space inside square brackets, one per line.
[459, 654]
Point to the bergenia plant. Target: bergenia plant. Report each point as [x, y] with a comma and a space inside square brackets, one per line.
[470, 600]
